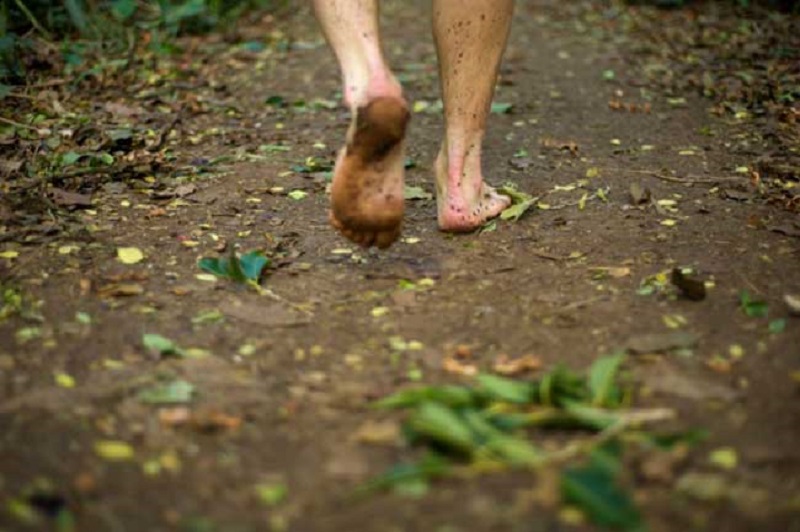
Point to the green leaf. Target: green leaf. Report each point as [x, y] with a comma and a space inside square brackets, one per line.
[105, 158]
[448, 395]
[416, 193]
[123, 9]
[177, 13]
[160, 345]
[669, 440]
[442, 425]
[594, 490]
[246, 268]
[235, 270]
[560, 386]
[777, 326]
[521, 202]
[501, 108]
[271, 494]
[502, 389]
[216, 266]
[169, 393]
[752, 308]
[252, 264]
[276, 101]
[505, 447]
[588, 416]
[77, 14]
[70, 158]
[602, 378]
[608, 457]
[515, 451]
[429, 467]
[515, 212]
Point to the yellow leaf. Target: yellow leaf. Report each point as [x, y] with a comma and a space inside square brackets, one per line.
[724, 458]
[673, 321]
[9, 254]
[113, 450]
[377, 312]
[129, 255]
[64, 380]
[67, 249]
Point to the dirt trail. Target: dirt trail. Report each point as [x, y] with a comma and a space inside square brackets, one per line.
[291, 375]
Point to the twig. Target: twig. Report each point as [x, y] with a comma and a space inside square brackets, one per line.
[48, 83]
[627, 419]
[34, 22]
[20, 96]
[17, 124]
[689, 179]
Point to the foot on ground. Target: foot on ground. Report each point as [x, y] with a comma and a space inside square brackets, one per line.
[463, 200]
[367, 193]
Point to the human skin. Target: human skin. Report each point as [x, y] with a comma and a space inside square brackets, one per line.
[367, 192]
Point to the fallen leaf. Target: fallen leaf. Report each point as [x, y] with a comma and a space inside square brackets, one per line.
[271, 494]
[174, 416]
[297, 194]
[173, 392]
[793, 302]
[64, 380]
[416, 193]
[724, 458]
[114, 451]
[504, 365]
[451, 365]
[129, 255]
[378, 432]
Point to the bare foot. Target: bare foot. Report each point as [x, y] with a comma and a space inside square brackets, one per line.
[463, 200]
[367, 193]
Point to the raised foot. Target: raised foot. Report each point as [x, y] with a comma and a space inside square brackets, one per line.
[367, 192]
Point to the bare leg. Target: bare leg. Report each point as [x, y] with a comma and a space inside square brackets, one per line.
[367, 192]
[470, 39]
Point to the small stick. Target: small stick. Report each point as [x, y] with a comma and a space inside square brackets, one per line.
[17, 124]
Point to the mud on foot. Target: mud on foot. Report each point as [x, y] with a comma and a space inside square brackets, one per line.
[467, 206]
[367, 192]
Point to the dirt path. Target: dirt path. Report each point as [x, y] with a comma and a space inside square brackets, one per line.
[283, 397]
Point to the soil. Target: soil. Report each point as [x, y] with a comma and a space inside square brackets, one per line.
[288, 386]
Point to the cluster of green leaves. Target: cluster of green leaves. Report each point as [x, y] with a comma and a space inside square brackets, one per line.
[92, 19]
[108, 25]
[487, 425]
[756, 308]
[14, 302]
[244, 269]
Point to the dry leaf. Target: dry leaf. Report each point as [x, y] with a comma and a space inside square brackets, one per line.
[504, 365]
[451, 365]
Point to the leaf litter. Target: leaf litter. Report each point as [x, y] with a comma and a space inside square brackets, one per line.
[492, 425]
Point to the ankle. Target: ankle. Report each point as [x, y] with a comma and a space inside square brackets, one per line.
[379, 85]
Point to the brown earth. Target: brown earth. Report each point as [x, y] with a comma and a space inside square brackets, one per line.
[560, 283]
